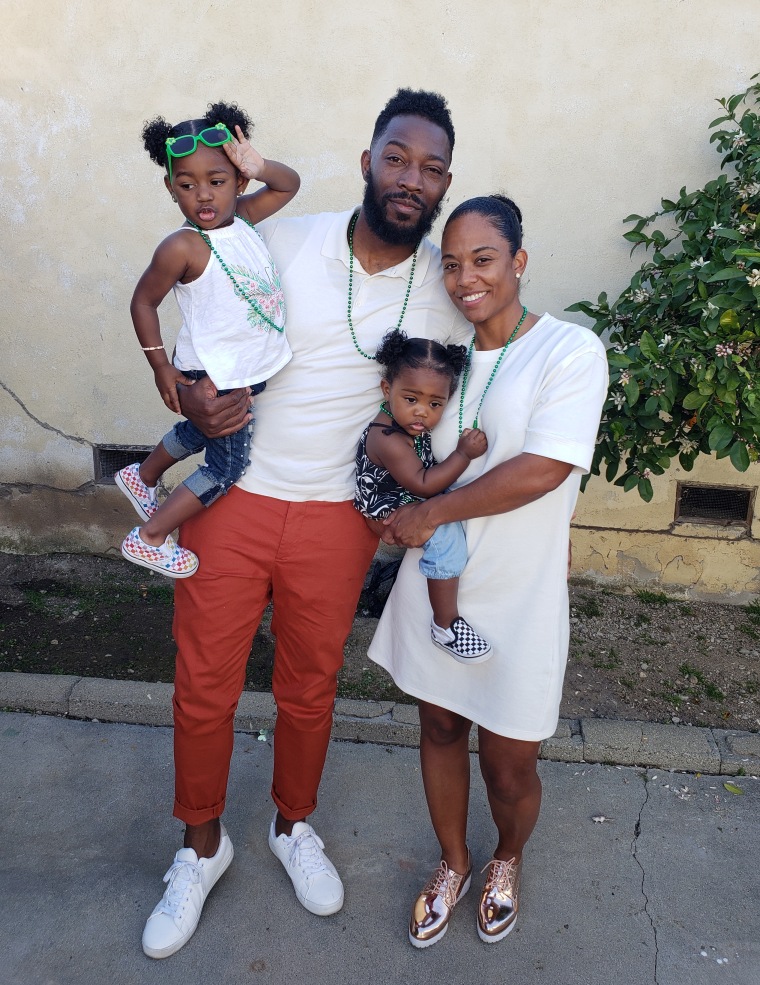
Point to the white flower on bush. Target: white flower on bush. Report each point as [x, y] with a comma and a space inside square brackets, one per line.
[618, 399]
[639, 296]
[687, 446]
[740, 140]
[749, 191]
[699, 262]
[744, 229]
[666, 340]
[753, 277]
[723, 350]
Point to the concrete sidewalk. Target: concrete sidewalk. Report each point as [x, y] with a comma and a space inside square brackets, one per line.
[665, 889]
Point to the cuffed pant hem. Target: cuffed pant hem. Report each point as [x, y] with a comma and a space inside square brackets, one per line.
[292, 813]
[198, 817]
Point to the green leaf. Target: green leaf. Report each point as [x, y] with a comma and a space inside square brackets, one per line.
[645, 489]
[740, 456]
[649, 347]
[631, 389]
[630, 482]
[694, 400]
[634, 237]
[726, 273]
[720, 437]
[732, 787]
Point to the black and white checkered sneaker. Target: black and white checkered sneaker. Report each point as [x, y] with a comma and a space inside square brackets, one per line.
[463, 644]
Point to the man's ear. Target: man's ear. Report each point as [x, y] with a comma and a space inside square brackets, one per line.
[365, 162]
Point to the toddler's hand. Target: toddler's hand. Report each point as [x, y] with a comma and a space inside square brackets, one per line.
[167, 377]
[472, 443]
[246, 158]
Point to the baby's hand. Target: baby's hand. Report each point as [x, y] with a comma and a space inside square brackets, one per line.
[246, 159]
[167, 377]
[472, 443]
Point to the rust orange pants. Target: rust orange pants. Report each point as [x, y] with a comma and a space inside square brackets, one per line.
[310, 559]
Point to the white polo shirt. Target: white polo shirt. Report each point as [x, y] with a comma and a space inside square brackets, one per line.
[311, 415]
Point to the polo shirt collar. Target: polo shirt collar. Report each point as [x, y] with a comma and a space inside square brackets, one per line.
[335, 247]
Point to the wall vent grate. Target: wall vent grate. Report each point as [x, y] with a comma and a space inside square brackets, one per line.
[720, 505]
[108, 459]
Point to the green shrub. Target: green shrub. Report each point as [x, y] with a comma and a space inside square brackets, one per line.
[685, 336]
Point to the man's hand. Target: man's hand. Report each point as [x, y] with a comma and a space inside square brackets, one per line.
[215, 416]
[409, 526]
[167, 377]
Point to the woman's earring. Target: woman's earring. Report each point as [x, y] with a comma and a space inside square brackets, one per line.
[174, 199]
[518, 276]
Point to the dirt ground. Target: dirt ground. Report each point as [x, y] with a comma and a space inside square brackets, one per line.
[635, 654]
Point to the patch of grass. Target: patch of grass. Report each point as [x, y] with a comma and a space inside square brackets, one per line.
[749, 631]
[703, 686]
[753, 611]
[750, 687]
[588, 606]
[653, 598]
[612, 661]
[686, 610]
[626, 683]
[640, 619]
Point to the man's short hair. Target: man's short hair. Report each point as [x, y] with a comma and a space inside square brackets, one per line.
[416, 102]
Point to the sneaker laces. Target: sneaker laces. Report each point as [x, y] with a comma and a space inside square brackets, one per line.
[306, 853]
[181, 877]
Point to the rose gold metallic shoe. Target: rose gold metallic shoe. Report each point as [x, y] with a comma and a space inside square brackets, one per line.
[497, 912]
[433, 907]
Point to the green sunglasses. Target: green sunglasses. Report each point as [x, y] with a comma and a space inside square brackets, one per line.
[186, 144]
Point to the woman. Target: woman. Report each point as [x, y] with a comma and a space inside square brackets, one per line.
[536, 387]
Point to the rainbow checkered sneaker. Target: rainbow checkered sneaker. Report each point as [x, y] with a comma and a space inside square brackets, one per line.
[169, 559]
[462, 642]
[140, 496]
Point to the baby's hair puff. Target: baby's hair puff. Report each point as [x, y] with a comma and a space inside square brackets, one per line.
[156, 131]
[397, 352]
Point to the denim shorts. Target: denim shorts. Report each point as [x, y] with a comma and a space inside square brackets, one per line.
[445, 554]
[226, 458]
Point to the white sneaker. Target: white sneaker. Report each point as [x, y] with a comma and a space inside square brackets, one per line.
[315, 880]
[190, 880]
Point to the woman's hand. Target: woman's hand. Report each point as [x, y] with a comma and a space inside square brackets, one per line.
[409, 526]
[246, 158]
[215, 416]
[472, 443]
[167, 377]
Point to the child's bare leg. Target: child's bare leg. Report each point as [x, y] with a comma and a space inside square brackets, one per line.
[180, 506]
[443, 598]
[154, 466]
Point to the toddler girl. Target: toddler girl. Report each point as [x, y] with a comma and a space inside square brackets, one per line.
[232, 307]
[395, 465]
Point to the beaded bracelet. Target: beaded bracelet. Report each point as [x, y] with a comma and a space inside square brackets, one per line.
[150, 348]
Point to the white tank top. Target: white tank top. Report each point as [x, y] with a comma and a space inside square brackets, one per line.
[221, 332]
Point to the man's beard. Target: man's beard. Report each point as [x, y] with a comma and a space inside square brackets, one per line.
[396, 233]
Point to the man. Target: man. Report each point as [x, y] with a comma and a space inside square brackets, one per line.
[289, 531]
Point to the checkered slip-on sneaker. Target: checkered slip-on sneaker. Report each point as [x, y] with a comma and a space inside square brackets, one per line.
[464, 643]
[169, 559]
[140, 496]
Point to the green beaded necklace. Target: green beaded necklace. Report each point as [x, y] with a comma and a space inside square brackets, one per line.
[417, 439]
[466, 374]
[351, 287]
[239, 290]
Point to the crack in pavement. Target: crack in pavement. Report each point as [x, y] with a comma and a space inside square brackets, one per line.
[42, 424]
[634, 853]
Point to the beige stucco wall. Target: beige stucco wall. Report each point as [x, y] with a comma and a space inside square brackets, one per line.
[584, 111]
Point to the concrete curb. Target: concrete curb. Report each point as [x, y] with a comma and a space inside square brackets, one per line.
[586, 740]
